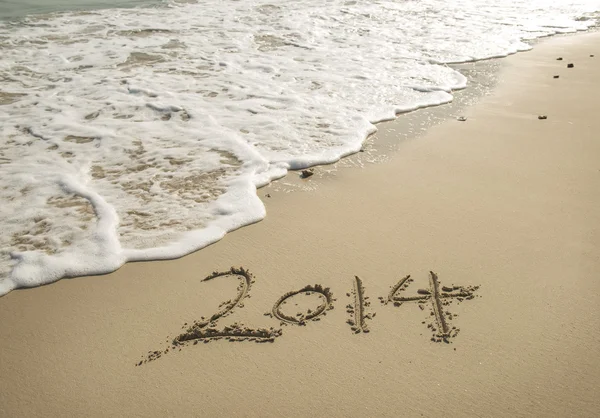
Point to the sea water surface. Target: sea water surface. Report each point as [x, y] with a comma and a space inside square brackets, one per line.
[143, 133]
[11, 9]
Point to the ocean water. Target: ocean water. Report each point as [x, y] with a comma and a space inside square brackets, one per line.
[142, 133]
[12, 9]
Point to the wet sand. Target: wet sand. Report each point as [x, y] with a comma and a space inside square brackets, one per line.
[501, 208]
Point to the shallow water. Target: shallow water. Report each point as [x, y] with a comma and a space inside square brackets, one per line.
[11, 9]
[132, 134]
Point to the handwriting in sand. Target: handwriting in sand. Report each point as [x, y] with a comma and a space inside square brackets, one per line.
[437, 298]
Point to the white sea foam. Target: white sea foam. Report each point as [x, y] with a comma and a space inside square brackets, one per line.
[143, 134]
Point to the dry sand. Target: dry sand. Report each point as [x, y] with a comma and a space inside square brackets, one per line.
[503, 200]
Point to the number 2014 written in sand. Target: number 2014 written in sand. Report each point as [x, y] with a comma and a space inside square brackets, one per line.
[436, 299]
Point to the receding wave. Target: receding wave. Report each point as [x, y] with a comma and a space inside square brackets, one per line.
[136, 134]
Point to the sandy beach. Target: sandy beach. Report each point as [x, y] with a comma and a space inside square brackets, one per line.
[503, 201]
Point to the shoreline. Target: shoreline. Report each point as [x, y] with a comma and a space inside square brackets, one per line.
[31, 268]
[502, 200]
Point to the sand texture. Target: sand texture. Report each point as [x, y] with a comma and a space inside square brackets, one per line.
[458, 277]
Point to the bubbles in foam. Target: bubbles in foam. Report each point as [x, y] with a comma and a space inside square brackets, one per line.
[143, 134]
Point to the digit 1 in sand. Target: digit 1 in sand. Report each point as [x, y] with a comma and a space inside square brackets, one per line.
[358, 316]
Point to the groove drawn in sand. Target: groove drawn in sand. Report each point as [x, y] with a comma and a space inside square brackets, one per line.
[402, 284]
[436, 302]
[205, 329]
[357, 312]
[442, 329]
[300, 319]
